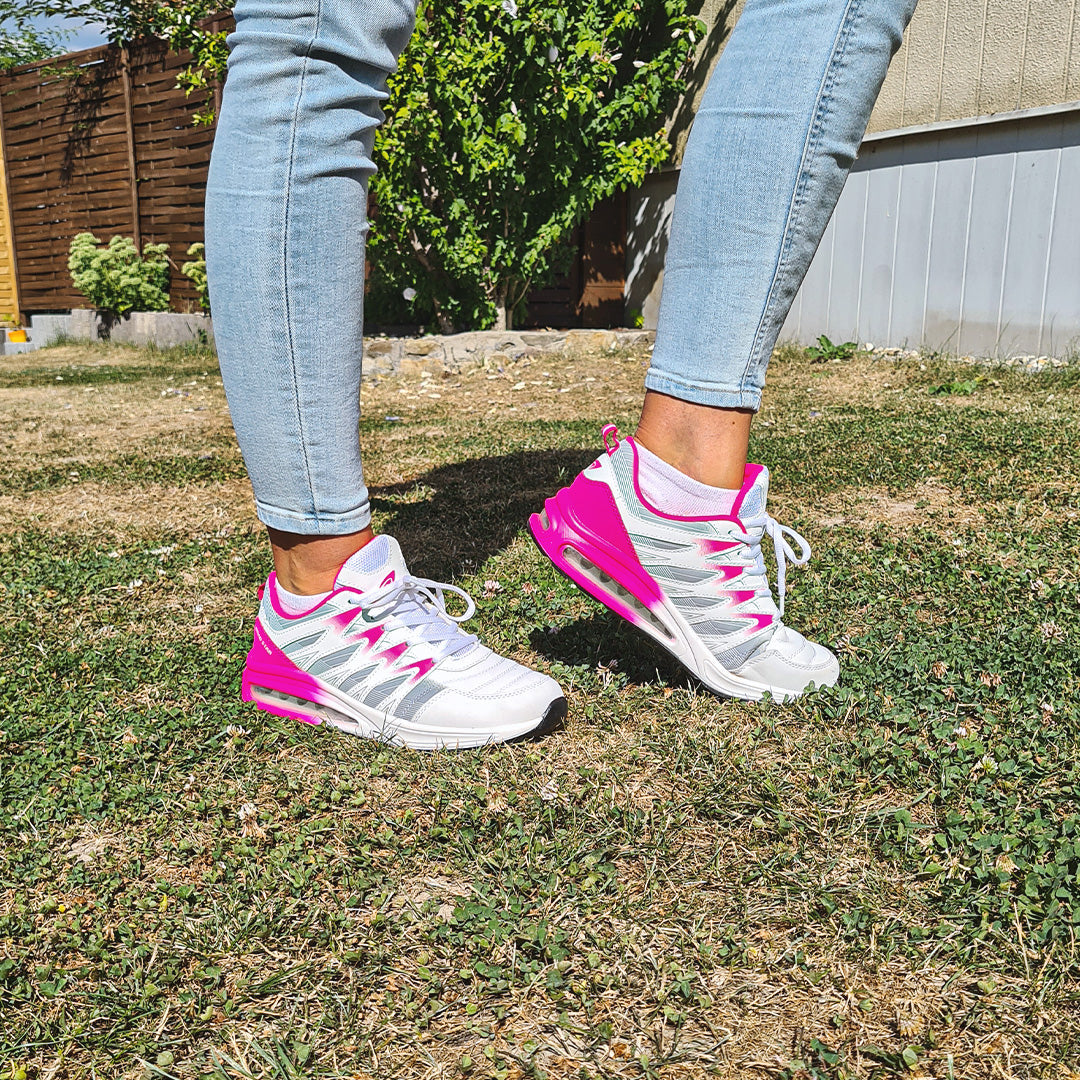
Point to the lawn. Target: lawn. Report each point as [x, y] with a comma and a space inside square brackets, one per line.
[879, 881]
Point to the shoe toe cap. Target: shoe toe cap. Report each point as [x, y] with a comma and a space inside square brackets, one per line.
[790, 663]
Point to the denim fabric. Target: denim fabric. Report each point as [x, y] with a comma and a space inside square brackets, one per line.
[771, 146]
[286, 222]
[772, 143]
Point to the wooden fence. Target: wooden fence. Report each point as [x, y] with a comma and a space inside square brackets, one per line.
[100, 141]
[104, 141]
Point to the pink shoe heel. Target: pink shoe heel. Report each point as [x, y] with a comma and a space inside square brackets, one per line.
[272, 682]
[585, 540]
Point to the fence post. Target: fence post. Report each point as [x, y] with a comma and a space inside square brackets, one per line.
[7, 231]
[129, 121]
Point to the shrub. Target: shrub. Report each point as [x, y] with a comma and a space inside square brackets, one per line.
[115, 278]
[195, 272]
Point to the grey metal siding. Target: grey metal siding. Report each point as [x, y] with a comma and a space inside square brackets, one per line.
[965, 239]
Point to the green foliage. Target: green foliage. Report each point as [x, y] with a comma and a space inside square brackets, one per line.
[120, 20]
[115, 278]
[825, 350]
[507, 123]
[957, 386]
[23, 43]
[195, 272]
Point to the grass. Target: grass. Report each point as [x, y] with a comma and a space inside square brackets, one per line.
[881, 881]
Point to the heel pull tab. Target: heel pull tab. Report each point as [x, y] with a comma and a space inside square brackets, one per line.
[610, 435]
[260, 591]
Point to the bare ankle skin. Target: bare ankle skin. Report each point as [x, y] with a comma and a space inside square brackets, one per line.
[307, 565]
[706, 442]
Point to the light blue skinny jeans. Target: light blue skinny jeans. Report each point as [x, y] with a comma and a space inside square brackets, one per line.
[771, 146]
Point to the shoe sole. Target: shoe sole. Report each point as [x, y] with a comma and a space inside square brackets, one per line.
[601, 574]
[275, 693]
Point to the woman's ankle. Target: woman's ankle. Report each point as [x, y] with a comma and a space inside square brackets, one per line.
[705, 442]
[307, 565]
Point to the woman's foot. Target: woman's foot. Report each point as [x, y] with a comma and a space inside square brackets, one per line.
[380, 657]
[697, 584]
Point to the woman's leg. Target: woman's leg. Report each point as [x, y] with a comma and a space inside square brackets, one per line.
[285, 230]
[372, 650]
[667, 528]
[771, 147]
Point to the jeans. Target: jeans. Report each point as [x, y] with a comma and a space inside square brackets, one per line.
[771, 146]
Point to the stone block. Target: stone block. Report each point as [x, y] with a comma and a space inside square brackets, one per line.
[44, 329]
[422, 347]
[161, 328]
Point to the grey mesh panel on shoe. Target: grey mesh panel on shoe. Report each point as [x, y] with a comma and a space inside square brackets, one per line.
[302, 643]
[717, 627]
[378, 694]
[332, 660]
[690, 604]
[419, 695]
[752, 504]
[274, 621]
[687, 575]
[734, 658]
[356, 678]
[656, 543]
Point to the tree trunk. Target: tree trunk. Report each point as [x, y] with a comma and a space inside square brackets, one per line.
[503, 312]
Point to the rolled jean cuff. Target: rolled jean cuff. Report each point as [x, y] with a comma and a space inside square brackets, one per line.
[352, 521]
[703, 393]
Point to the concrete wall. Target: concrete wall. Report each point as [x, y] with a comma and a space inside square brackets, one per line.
[964, 239]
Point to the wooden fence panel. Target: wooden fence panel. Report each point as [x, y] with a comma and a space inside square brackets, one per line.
[101, 141]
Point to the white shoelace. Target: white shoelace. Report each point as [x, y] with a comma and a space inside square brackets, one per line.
[782, 549]
[419, 604]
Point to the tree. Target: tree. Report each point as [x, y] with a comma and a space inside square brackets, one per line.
[23, 43]
[507, 122]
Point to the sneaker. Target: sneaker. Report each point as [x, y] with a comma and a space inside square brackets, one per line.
[380, 657]
[698, 586]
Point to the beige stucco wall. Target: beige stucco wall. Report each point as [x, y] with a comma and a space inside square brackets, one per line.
[964, 58]
[959, 59]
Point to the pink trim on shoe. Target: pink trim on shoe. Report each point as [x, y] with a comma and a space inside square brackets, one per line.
[750, 474]
[390, 655]
[739, 596]
[268, 667]
[343, 619]
[270, 589]
[371, 636]
[584, 517]
[422, 668]
[717, 547]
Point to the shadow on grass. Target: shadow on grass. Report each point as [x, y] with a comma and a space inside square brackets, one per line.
[475, 508]
[604, 640]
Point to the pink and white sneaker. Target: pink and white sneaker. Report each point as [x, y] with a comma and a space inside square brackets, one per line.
[381, 658]
[696, 585]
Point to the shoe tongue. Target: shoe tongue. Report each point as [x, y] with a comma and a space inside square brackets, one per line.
[379, 562]
[754, 492]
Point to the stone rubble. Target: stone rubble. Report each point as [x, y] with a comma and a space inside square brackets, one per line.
[1031, 365]
[385, 356]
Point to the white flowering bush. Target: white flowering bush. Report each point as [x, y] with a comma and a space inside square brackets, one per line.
[195, 271]
[115, 278]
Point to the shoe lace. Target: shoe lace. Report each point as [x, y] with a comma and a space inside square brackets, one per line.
[765, 524]
[419, 604]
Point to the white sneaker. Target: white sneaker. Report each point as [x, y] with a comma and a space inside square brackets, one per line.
[381, 658]
[696, 585]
